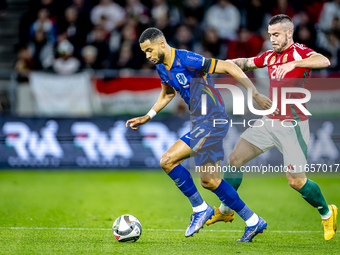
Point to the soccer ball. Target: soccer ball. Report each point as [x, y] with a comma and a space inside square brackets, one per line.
[127, 228]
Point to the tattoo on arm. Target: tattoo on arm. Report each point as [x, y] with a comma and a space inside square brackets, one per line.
[246, 64]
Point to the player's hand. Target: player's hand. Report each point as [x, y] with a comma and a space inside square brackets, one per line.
[282, 70]
[135, 122]
[264, 102]
[276, 112]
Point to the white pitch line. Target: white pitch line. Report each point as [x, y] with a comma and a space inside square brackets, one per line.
[152, 229]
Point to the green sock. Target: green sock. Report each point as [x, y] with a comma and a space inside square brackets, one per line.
[233, 178]
[313, 195]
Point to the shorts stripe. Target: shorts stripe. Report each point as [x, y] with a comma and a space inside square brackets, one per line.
[200, 143]
[302, 142]
[296, 117]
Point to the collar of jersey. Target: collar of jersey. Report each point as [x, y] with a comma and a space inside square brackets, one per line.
[285, 51]
[173, 52]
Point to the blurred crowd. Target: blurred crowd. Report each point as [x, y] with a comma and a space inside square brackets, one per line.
[69, 35]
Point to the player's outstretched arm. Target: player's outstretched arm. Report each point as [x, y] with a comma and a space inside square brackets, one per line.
[223, 67]
[315, 61]
[246, 64]
[166, 95]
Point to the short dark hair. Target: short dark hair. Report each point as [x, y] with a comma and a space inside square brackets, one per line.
[151, 34]
[280, 18]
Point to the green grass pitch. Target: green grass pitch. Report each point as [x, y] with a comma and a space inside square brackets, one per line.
[72, 212]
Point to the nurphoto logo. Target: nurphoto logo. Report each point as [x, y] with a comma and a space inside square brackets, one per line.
[238, 100]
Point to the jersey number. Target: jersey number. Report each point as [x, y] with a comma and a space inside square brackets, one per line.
[200, 131]
[273, 74]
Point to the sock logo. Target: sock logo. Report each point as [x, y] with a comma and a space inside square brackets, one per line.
[181, 184]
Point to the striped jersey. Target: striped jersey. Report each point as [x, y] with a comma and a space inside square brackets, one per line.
[298, 77]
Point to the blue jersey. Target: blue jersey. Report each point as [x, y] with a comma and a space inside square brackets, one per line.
[189, 75]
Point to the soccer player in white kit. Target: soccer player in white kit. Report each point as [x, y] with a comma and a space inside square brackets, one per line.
[286, 60]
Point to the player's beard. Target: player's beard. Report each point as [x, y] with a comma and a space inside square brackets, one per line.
[160, 58]
[282, 46]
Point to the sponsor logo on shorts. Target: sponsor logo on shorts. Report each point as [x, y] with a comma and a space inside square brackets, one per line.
[189, 137]
[290, 167]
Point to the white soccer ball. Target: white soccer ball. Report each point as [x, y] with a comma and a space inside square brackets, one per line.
[127, 228]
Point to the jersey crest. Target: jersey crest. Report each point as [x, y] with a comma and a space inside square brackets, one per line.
[181, 78]
[272, 60]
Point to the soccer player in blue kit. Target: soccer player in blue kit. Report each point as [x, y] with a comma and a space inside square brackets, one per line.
[189, 74]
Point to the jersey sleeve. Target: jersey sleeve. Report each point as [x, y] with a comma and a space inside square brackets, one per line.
[307, 52]
[164, 82]
[261, 61]
[198, 64]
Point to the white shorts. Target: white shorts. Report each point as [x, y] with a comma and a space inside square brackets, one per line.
[291, 141]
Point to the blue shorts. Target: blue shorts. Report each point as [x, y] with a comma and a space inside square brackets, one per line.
[206, 141]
